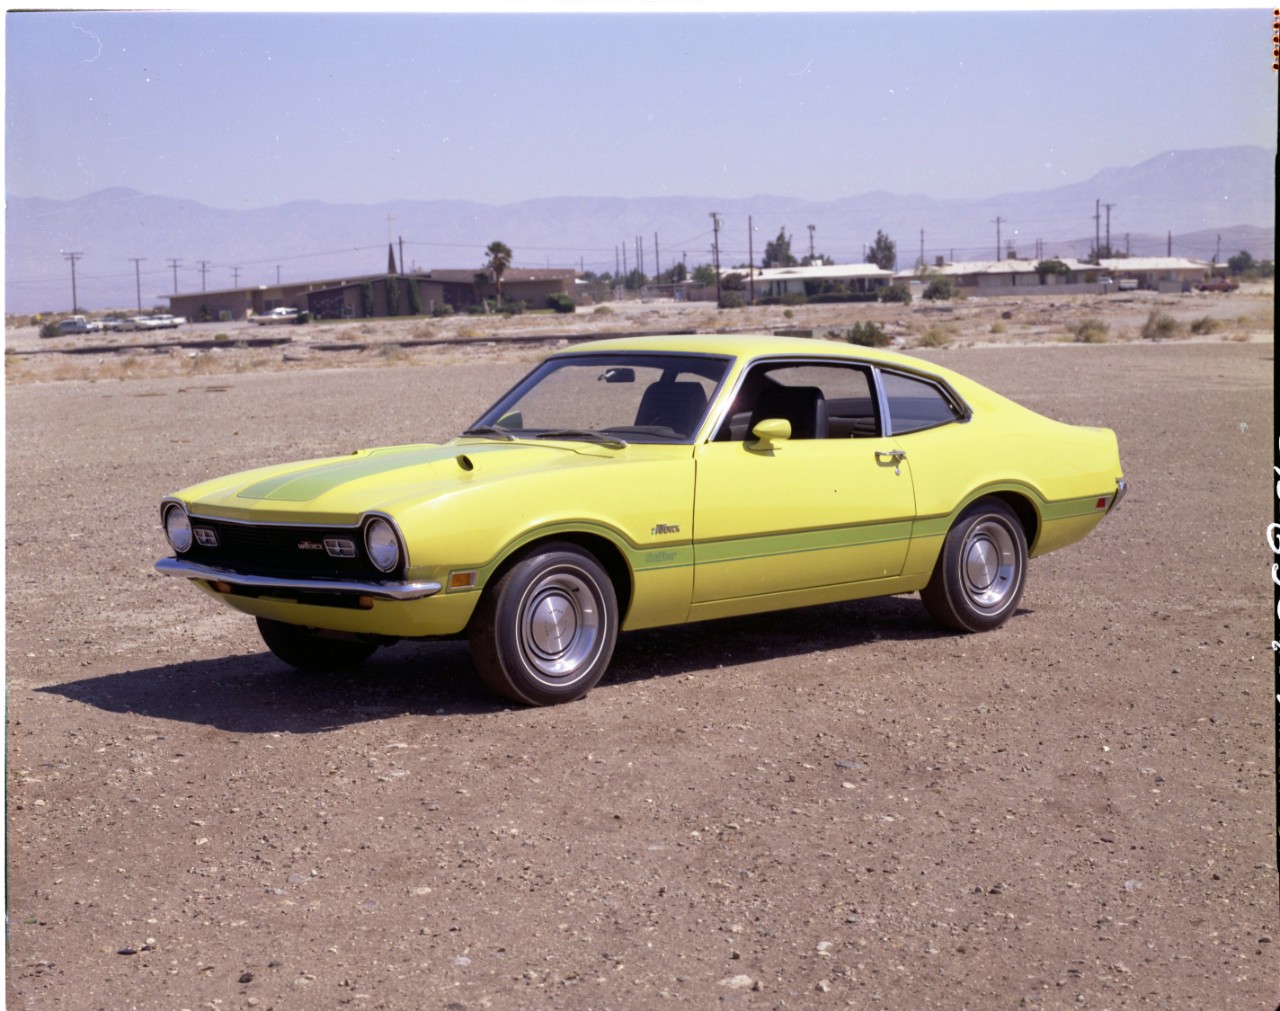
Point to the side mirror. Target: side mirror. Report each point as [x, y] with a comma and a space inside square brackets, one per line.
[769, 432]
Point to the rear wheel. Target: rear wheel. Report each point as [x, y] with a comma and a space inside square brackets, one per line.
[310, 650]
[982, 570]
[544, 632]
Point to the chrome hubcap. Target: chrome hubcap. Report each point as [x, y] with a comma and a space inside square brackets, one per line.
[989, 565]
[559, 626]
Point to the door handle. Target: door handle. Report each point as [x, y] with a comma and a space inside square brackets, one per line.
[893, 456]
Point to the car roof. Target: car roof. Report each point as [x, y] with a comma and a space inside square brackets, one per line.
[747, 346]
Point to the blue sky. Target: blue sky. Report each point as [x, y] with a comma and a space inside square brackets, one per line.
[241, 110]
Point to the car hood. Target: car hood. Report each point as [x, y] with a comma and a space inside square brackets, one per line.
[341, 489]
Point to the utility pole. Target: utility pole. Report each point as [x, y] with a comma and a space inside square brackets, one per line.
[1169, 245]
[657, 265]
[811, 253]
[999, 221]
[175, 264]
[137, 277]
[751, 257]
[715, 251]
[235, 277]
[401, 238]
[277, 274]
[1108, 207]
[921, 261]
[1216, 251]
[1097, 235]
[73, 257]
[204, 267]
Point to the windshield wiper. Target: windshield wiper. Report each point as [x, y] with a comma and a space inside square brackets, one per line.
[497, 431]
[582, 433]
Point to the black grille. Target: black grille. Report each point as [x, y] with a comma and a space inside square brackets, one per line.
[282, 551]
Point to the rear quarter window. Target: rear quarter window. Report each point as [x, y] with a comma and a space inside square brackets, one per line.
[916, 404]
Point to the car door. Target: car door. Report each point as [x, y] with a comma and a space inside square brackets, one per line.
[829, 504]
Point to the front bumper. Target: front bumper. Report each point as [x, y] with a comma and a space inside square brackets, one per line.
[273, 584]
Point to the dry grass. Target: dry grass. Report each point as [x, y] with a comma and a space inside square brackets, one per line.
[1090, 331]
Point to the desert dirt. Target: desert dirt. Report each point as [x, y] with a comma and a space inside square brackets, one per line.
[834, 807]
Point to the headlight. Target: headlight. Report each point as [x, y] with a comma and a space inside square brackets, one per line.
[177, 527]
[383, 545]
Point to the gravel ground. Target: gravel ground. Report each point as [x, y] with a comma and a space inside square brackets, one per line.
[834, 807]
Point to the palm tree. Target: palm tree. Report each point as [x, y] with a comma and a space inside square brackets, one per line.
[499, 260]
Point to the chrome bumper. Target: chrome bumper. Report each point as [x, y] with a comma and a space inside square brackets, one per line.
[1122, 486]
[379, 591]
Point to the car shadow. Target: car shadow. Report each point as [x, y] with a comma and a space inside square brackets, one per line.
[254, 693]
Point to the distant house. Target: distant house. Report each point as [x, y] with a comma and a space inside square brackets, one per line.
[776, 282]
[1021, 277]
[353, 297]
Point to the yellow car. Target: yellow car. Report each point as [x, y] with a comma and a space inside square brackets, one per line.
[637, 482]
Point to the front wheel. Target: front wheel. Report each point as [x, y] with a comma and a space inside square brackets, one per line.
[309, 650]
[982, 570]
[544, 633]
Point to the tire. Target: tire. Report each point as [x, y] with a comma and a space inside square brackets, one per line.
[309, 650]
[982, 570]
[544, 632]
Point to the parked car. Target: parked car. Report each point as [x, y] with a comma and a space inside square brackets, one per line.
[73, 324]
[1217, 284]
[281, 314]
[637, 482]
[158, 321]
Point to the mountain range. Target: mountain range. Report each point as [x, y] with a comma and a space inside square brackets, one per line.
[1200, 204]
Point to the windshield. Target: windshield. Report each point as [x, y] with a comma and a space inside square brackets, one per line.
[623, 397]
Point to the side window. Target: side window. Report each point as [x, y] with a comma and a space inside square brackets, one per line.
[820, 400]
[915, 404]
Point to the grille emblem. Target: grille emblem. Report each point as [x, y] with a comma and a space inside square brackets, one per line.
[340, 547]
[205, 537]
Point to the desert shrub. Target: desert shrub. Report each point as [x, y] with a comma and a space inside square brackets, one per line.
[998, 327]
[561, 302]
[1205, 325]
[731, 300]
[794, 298]
[366, 298]
[789, 313]
[1089, 331]
[1159, 326]
[441, 309]
[415, 299]
[940, 288]
[51, 329]
[512, 308]
[934, 337]
[393, 296]
[896, 293]
[867, 334]
[602, 310]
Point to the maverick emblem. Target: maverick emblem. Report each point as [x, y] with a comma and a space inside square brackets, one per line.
[337, 547]
[665, 528]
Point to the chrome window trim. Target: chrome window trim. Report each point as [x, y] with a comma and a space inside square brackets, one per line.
[791, 359]
[954, 399]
